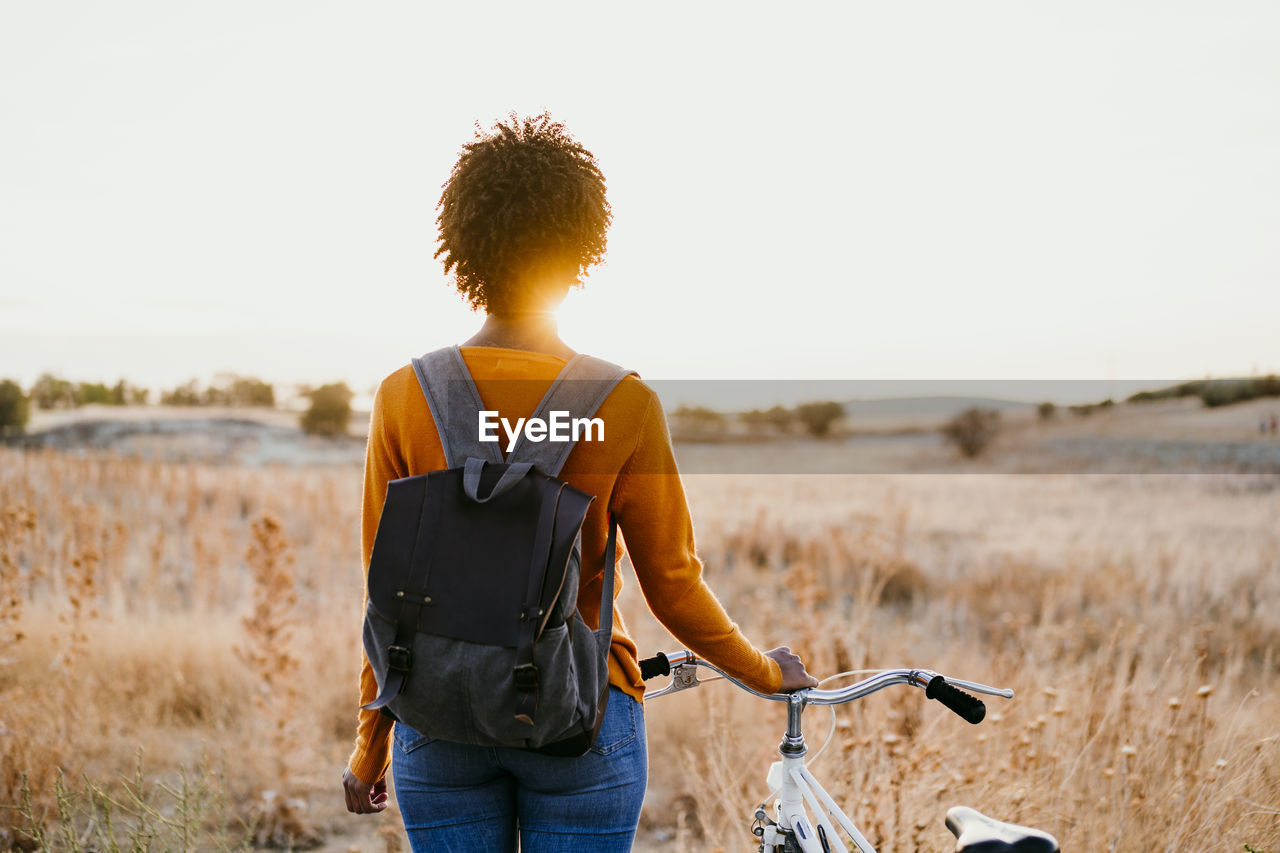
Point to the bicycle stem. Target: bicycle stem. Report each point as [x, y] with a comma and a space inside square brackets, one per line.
[793, 740]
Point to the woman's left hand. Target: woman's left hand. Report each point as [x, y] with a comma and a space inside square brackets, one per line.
[363, 798]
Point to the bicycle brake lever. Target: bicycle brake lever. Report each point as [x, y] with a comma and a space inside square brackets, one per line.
[683, 677]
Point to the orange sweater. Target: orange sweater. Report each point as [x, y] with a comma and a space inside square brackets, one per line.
[632, 473]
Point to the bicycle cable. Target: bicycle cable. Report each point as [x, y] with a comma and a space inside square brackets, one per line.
[773, 792]
[832, 731]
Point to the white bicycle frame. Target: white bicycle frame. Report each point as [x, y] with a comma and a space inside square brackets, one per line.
[795, 786]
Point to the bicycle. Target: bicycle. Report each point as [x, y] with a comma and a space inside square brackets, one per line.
[789, 829]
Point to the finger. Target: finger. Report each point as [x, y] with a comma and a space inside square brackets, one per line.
[346, 792]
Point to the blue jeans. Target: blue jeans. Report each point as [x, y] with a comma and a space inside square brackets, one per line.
[458, 798]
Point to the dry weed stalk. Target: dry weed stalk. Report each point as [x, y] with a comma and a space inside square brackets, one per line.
[115, 545]
[17, 522]
[269, 630]
[279, 819]
[156, 579]
[81, 582]
[41, 733]
[205, 580]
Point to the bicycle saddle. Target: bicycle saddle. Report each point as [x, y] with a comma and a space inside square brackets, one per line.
[977, 833]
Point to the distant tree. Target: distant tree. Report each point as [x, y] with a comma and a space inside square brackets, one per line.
[183, 395]
[248, 391]
[50, 392]
[972, 430]
[228, 389]
[782, 418]
[1190, 389]
[15, 407]
[699, 421]
[1047, 411]
[818, 418]
[1227, 391]
[756, 420]
[94, 392]
[212, 395]
[330, 410]
[700, 413]
[778, 419]
[1171, 392]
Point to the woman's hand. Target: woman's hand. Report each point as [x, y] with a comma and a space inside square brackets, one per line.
[363, 798]
[794, 676]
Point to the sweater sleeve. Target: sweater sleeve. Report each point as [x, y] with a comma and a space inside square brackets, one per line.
[372, 755]
[653, 512]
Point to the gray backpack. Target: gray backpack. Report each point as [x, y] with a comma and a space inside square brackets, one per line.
[472, 627]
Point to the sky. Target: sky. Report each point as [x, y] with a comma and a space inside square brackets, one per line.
[927, 191]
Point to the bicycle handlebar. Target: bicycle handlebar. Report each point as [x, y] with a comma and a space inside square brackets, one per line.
[969, 708]
[945, 690]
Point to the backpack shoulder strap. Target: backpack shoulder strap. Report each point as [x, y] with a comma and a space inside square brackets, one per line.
[579, 389]
[455, 406]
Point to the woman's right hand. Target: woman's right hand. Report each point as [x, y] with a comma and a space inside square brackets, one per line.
[794, 676]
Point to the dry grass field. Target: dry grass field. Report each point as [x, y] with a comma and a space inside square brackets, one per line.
[180, 647]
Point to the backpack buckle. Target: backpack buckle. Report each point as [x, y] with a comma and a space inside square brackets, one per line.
[398, 658]
[526, 675]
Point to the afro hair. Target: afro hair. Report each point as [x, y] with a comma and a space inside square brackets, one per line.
[525, 202]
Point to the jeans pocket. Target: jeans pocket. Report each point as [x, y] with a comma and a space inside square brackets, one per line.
[619, 727]
[407, 739]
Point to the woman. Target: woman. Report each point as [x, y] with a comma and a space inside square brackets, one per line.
[522, 219]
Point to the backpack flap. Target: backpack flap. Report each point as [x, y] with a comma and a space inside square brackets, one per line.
[393, 546]
[437, 549]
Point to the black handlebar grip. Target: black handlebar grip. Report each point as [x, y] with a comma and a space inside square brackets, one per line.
[654, 666]
[969, 708]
